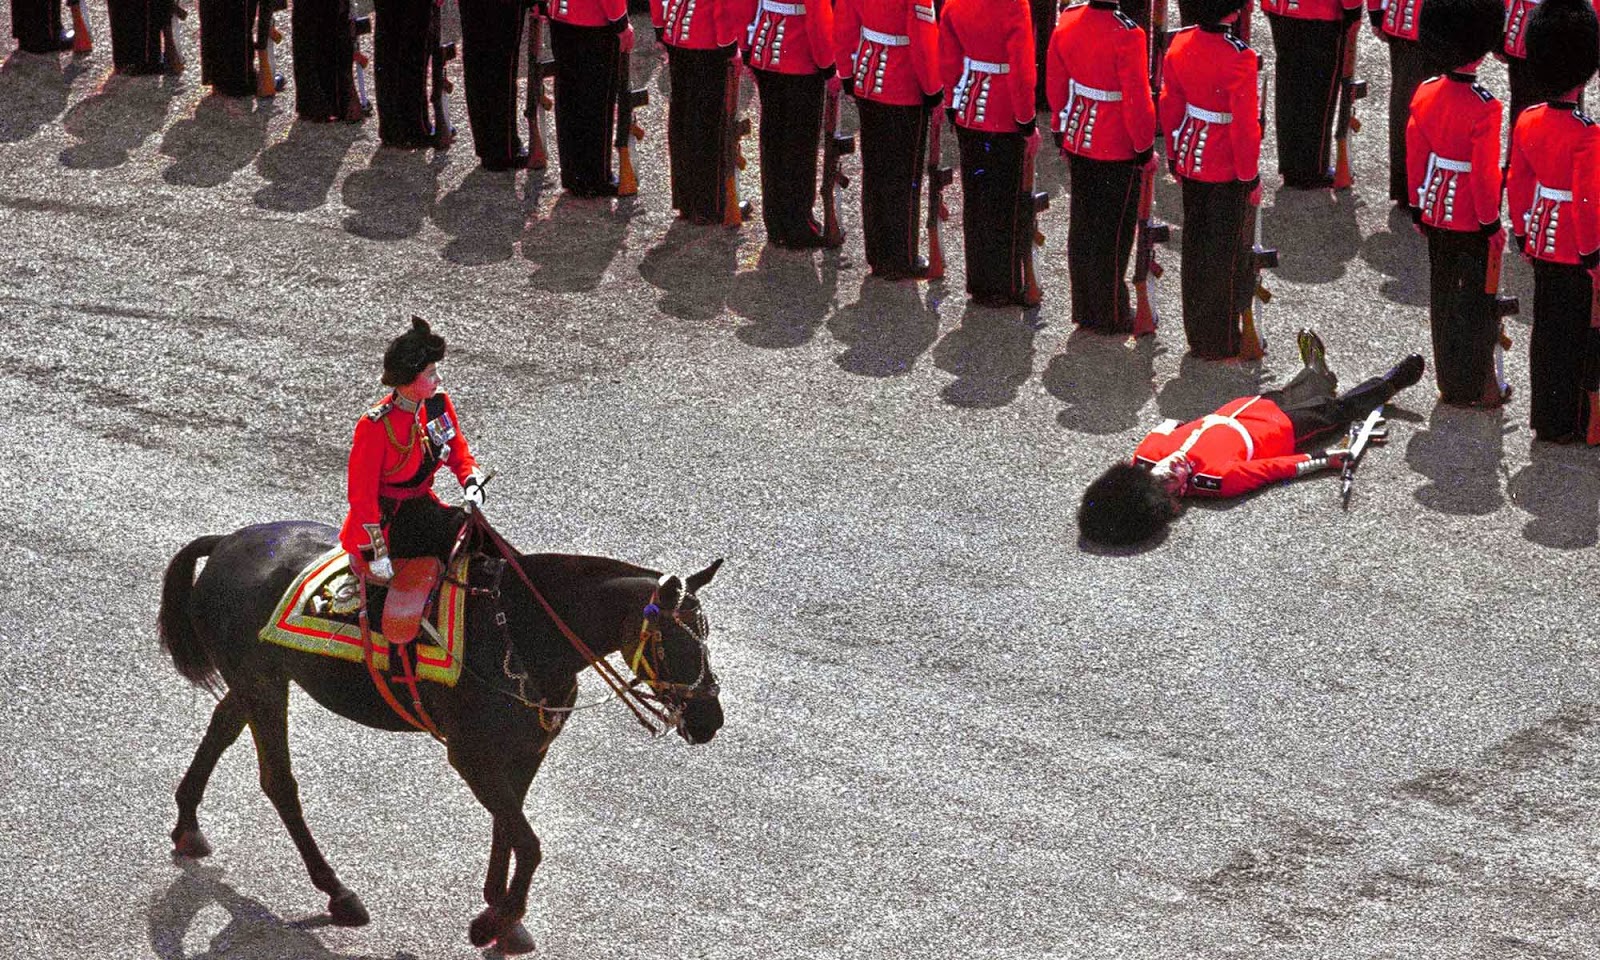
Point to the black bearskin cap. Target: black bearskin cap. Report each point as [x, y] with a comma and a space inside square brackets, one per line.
[1211, 11]
[1459, 32]
[1563, 47]
[410, 354]
[1123, 506]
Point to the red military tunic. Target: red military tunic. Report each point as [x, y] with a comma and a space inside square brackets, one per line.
[889, 47]
[1453, 153]
[1553, 189]
[699, 24]
[1097, 77]
[987, 63]
[394, 456]
[789, 37]
[1209, 106]
[588, 13]
[1310, 9]
[1401, 18]
[1247, 443]
[1518, 13]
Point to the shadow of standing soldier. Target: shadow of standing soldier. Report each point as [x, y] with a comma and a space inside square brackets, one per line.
[1460, 454]
[1401, 254]
[1561, 489]
[392, 197]
[484, 217]
[694, 267]
[1315, 231]
[223, 136]
[572, 249]
[786, 297]
[112, 122]
[1202, 386]
[885, 330]
[991, 354]
[1103, 382]
[33, 92]
[301, 168]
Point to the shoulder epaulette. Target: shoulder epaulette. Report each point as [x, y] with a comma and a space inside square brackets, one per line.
[380, 411]
[1482, 93]
[1583, 118]
[1238, 44]
[1128, 23]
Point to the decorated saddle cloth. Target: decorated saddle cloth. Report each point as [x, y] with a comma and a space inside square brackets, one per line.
[319, 613]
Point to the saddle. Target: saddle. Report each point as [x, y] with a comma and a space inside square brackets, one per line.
[410, 595]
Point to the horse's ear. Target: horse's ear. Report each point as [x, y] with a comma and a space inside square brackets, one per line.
[697, 581]
[669, 593]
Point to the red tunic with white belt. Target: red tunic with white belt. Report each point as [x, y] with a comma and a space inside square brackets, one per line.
[1401, 18]
[889, 47]
[789, 37]
[699, 24]
[588, 13]
[394, 456]
[987, 62]
[1453, 153]
[1310, 9]
[1553, 189]
[1098, 82]
[1246, 444]
[1209, 106]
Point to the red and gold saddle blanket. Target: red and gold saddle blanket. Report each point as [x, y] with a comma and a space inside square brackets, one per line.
[319, 614]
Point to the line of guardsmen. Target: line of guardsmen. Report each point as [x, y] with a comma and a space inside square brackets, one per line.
[1111, 77]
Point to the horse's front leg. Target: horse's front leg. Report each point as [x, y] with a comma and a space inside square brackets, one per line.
[501, 787]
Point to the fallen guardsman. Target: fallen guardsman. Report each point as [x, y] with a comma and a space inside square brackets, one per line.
[1247, 443]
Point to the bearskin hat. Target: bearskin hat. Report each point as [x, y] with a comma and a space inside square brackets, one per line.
[1123, 506]
[1563, 47]
[1459, 32]
[1211, 11]
[410, 354]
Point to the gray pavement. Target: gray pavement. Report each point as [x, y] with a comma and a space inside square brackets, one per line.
[1286, 731]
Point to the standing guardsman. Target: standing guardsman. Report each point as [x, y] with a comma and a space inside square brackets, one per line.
[702, 41]
[324, 42]
[491, 40]
[1553, 194]
[587, 39]
[1209, 112]
[888, 55]
[142, 37]
[36, 25]
[229, 37]
[986, 61]
[405, 39]
[1104, 119]
[1453, 180]
[1309, 38]
[789, 48]
[1397, 23]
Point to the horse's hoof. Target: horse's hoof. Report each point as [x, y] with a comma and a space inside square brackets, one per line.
[190, 843]
[347, 910]
[515, 941]
[486, 928]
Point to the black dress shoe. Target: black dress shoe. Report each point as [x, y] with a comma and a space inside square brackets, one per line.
[1324, 182]
[916, 271]
[517, 161]
[65, 40]
[805, 241]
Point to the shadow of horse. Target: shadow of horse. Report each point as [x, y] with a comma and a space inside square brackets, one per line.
[116, 119]
[1102, 381]
[572, 249]
[991, 354]
[393, 196]
[786, 298]
[301, 169]
[1561, 489]
[222, 137]
[1401, 255]
[1460, 453]
[693, 267]
[485, 217]
[33, 92]
[886, 329]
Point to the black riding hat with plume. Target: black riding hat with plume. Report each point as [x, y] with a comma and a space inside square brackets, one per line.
[1563, 47]
[410, 354]
[1459, 32]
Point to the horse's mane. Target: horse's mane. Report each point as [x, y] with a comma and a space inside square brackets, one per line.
[581, 567]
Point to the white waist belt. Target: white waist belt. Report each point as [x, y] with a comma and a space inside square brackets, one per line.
[1542, 192]
[984, 66]
[1093, 93]
[1209, 116]
[885, 39]
[1455, 166]
[785, 9]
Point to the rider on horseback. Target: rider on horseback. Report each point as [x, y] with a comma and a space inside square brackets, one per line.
[397, 529]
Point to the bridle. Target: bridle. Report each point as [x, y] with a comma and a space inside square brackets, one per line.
[648, 662]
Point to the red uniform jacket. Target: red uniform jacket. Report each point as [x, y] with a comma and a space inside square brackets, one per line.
[1310, 9]
[1553, 190]
[1209, 106]
[699, 24]
[1453, 153]
[1401, 18]
[1518, 13]
[1097, 77]
[395, 455]
[987, 63]
[890, 47]
[588, 13]
[789, 36]
[1246, 444]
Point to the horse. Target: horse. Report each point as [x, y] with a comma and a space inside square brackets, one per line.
[496, 722]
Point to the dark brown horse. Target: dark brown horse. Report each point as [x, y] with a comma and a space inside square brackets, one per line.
[497, 731]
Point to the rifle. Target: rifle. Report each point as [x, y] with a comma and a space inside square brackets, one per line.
[169, 39]
[629, 99]
[734, 127]
[360, 27]
[1032, 205]
[1374, 429]
[1593, 438]
[539, 67]
[1150, 230]
[82, 42]
[834, 181]
[1350, 90]
[939, 177]
[268, 82]
[444, 133]
[1251, 346]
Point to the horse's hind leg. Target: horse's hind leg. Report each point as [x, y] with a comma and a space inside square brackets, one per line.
[227, 720]
[269, 725]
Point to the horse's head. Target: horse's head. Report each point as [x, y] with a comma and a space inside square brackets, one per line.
[672, 659]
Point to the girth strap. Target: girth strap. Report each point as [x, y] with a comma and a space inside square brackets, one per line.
[420, 720]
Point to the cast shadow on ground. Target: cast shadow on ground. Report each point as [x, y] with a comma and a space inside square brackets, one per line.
[573, 247]
[1460, 453]
[301, 169]
[33, 92]
[1401, 255]
[1102, 381]
[991, 354]
[1560, 488]
[252, 932]
[886, 329]
[112, 122]
[485, 217]
[1202, 386]
[392, 197]
[786, 297]
[223, 136]
[693, 267]
[1315, 231]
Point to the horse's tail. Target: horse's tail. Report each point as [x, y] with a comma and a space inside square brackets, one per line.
[173, 624]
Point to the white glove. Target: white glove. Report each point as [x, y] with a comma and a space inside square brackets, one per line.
[381, 569]
[472, 492]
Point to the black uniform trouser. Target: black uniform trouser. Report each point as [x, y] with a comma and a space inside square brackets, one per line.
[697, 123]
[405, 34]
[1409, 65]
[228, 46]
[587, 60]
[420, 527]
[1461, 315]
[1314, 411]
[791, 133]
[1563, 352]
[1044, 24]
[1218, 277]
[1306, 94]
[1101, 225]
[36, 24]
[491, 39]
[324, 69]
[894, 143]
[137, 43]
[993, 226]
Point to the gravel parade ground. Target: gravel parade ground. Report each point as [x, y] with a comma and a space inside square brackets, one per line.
[953, 731]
